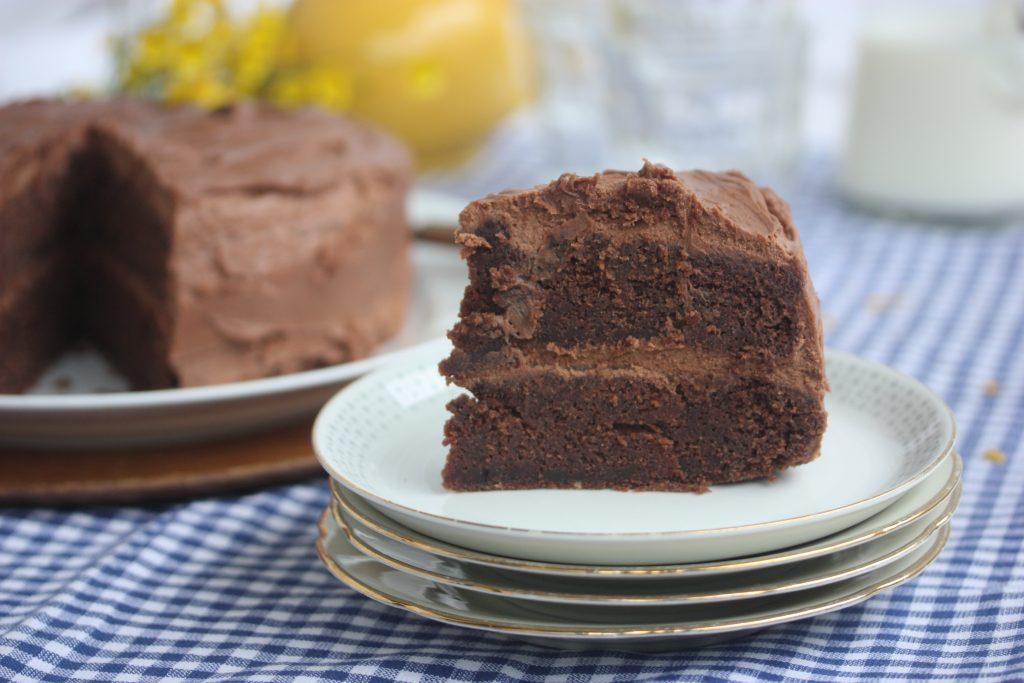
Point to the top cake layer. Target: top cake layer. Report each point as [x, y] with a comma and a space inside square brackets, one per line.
[586, 270]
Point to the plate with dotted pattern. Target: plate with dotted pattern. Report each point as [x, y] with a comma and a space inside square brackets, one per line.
[381, 438]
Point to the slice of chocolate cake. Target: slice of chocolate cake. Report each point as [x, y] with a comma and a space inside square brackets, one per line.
[651, 330]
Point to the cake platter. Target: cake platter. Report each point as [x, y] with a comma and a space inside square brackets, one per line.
[381, 438]
[79, 403]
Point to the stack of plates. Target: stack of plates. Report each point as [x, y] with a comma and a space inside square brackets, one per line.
[634, 570]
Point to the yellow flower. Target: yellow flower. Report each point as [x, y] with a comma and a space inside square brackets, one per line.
[198, 53]
[208, 92]
[253, 56]
[323, 85]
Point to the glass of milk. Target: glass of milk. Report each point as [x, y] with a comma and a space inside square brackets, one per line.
[937, 126]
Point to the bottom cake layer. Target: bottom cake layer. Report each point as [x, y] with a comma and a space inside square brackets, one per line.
[34, 322]
[627, 432]
[128, 319]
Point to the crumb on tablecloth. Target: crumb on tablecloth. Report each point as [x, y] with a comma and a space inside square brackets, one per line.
[994, 455]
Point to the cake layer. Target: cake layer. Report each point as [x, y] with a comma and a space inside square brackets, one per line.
[127, 319]
[32, 197]
[592, 290]
[36, 321]
[627, 430]
[117, 206]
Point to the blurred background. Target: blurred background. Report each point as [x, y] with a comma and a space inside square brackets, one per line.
[918, 107]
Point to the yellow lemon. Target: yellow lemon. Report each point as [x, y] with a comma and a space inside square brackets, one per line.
[438, 73]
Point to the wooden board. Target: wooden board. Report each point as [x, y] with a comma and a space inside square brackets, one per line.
[29, 477]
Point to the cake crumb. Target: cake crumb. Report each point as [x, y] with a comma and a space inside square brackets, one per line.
[991, 387]
[994, 455]
[880, 303]
[471, 241]
[62, 383]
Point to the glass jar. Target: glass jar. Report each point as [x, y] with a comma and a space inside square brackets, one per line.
[570, 39]
[709, 84]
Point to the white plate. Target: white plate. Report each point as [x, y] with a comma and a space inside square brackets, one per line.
[689, 590]
[935, 490]
[381, 438]
[51, 417]
[584, 626]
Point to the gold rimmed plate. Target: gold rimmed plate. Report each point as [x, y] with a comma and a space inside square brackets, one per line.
[688, 590]
[579, 626]
[381, 438]
[919, 502]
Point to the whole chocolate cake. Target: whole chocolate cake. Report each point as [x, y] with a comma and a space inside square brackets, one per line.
[197, 247]
[651, 330]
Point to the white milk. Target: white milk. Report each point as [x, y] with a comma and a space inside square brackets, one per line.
[937, 126]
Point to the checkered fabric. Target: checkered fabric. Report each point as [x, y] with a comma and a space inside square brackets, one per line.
[230, 589]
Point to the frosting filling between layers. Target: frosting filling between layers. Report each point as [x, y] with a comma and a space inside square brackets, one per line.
[627, 430]
[647, 358]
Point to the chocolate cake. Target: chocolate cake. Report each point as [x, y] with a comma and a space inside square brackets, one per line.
[197, 247]
[652, 330]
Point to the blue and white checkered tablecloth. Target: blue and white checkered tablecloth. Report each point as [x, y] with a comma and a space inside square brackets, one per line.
[231, 590]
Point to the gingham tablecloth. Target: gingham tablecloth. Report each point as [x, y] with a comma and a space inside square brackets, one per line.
[231, 589]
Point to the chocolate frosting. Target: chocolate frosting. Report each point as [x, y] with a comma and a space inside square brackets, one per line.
[698, 206]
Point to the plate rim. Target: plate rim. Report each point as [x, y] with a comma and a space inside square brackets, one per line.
[210, 393]
[330, 408]
[683, 598]
[734, 565]
[940, 537]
